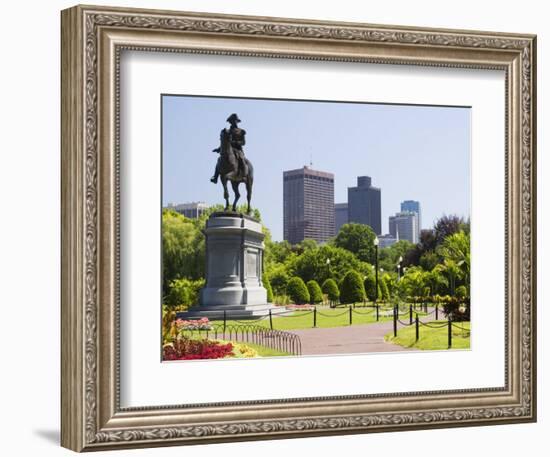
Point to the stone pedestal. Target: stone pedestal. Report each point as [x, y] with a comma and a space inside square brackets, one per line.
[234, 259]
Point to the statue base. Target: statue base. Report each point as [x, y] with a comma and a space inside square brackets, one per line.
[234, 263]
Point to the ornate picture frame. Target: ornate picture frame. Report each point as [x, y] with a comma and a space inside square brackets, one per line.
[93, 39]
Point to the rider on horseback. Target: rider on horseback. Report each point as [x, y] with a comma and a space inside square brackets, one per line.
[237, 140]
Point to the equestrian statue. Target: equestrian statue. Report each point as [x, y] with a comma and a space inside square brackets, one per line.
[232, 165]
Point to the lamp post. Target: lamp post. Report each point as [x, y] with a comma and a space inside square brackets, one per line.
[399, 268]
[376, 242]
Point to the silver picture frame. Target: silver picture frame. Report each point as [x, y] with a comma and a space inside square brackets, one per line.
[93, 39]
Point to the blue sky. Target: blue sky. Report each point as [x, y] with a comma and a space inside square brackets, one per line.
[411, 152]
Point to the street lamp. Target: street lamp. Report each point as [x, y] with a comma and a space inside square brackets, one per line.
[376, 242]
[399, 268]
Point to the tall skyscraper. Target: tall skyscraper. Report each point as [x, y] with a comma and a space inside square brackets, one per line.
[192, 210]
[308, 199]
[413, 206]
[340, 215]
[404, 226]
[364, 205]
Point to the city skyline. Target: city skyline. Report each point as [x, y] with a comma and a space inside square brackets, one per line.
[411, 152]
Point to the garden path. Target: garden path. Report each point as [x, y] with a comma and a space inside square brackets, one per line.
[350, 339]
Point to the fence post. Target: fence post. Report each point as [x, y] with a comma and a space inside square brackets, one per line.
[410, 314]
[395, 320]
[377, 312]
[450, 333]
[417, 328]
[224, 321]
[437, 311]
[315, 316]
[350, 314]
[270, 320]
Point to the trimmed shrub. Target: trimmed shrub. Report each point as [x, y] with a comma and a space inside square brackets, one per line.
[183, 293]
[384, 288]
[331, 289]
[269, 290]
[315, 293]
[370, 287]
[352, 289]
[178, 293]
[297, 291]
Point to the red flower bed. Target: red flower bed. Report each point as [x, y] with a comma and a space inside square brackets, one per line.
[188, 349]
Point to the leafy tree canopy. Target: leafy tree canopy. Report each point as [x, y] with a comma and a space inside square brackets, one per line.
[388, 257]
[358, 239]
[182, 248]
[325, 262]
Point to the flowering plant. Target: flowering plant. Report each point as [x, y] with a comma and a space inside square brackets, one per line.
[304, 307]
[194, 324]
[189, 349]
[241, 350]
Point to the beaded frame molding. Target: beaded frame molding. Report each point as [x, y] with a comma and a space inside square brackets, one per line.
[92, 41]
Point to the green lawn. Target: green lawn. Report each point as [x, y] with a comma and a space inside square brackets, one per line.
[432, 338]
[326, 317]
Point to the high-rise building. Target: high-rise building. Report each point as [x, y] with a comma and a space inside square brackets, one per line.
[340, 215]
[308, 199]
[192, 210]
[413, 206]
[364, 205]
[404, 226]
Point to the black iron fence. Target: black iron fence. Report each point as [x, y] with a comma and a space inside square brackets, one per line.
[377, 311]
[278, 340]
[238, 327]
[435, 324]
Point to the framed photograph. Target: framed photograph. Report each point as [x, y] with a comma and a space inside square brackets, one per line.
[275, 228]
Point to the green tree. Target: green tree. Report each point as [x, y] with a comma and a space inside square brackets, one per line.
[305, 245]
[276, 251]
[178, 294]
[384, 291]
[352, 289]
[456, 248]
[358, 239]
[297, 291]
[183, 293]
[278, 277]
[461, 291]
[182, 248]
[447, 225]
[315, 293]
[324, 262]
[388, 257]
[413, 282]
[450, 269]
[268, 289]
[429, 260]
[390, 278]
[435, 281]
[330, 288]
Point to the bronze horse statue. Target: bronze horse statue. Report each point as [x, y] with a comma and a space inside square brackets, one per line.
[229, 170]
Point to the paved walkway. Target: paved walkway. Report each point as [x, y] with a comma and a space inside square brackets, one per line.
[349, 340]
